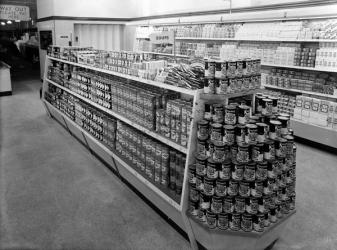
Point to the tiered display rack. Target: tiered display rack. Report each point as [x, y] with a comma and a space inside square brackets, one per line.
[176, 211]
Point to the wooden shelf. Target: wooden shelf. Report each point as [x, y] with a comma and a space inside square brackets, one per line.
[257, 39]
[299, 91]
[134, 78]
[150, 187]
[151, 133]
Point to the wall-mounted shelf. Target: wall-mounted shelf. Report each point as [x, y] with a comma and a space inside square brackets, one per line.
[256, 39]
[300, 91]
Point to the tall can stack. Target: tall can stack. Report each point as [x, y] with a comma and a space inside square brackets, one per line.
[244, 173]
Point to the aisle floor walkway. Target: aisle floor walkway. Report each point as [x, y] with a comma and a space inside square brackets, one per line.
[55, 195]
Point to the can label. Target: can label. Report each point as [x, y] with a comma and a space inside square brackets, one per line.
[233, 188]
[249, 173]
[226, 172]
[223, 222]
[247, 223]
[244, 189]
[202, 215]
[235, 222]
[229, 136]
[216, 206]
[240, 205]
[252, 205]
[211, 220]
[228, 205]
[220, 189]
[194, 194]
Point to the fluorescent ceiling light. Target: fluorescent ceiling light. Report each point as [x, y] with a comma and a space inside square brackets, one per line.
[17, 21]
[3, 23]
[9, 22]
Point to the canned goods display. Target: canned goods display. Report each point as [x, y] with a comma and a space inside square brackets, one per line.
[248, 174]
[203, 129]
[216, 132]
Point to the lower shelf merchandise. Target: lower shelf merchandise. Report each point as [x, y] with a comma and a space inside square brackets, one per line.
[245, 168]
[160, 164]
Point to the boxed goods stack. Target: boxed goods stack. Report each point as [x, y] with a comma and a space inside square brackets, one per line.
[244, 172]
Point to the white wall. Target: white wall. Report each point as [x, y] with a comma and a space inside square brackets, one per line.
[45, 8]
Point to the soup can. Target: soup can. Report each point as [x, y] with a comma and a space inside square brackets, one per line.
[235, 221]
[244, 189]
[219, 151]
[221, 187]
[267, 106]
[284, 124]
[223, 86]
[193, 208]
[243, 153]
[272, 169]
[243, 114]
[261, 171]
[257, 152]
[203, 129]
[274, 129]
[205, 201]
[202, 147]
[201, 165]
[249, 171]
[211, 68]
[218, 70]
[237, 171]
[194, 193]
[218, 113]
[251, 133]
[192, 175]
[247, 222]
[226, 170]
[234, 151]
[224, 69]
[211, 219]
[256, 189]
[216, 132]
[252, 205]
[240, 133]
[216, 205]
[209, 186]
[230, 115]
[231, 69]
[209, 85]
[199, 183]
[258, 222]
[228, 134]
[280, 147]
[269, 150]
[223, 221]
[228, 204]
[233, 188]
[213, 168]
[239, 68]
[202, 215]
[240, 205]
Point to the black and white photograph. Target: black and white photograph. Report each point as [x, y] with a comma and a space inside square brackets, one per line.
[171, 125]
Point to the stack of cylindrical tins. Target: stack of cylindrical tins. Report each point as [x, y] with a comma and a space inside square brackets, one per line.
[98, 124]
[174, 122]
[244, 172]
[139, 102]
[159, 163]
[232, 76]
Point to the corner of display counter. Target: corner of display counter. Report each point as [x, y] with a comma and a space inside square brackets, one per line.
[215, 238]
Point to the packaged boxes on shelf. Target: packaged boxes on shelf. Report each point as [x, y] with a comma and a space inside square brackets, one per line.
[315, 111]
[285, 104]
[308, 81]
[327, 55]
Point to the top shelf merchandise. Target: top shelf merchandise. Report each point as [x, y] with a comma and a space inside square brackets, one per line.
[141, 67]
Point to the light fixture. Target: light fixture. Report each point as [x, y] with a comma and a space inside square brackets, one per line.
[9, 22]
[3, 23]
[17, 21]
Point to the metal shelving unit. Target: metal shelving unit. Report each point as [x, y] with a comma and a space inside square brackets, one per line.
[299, 67]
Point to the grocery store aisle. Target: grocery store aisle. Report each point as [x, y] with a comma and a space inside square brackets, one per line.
[55, 195]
